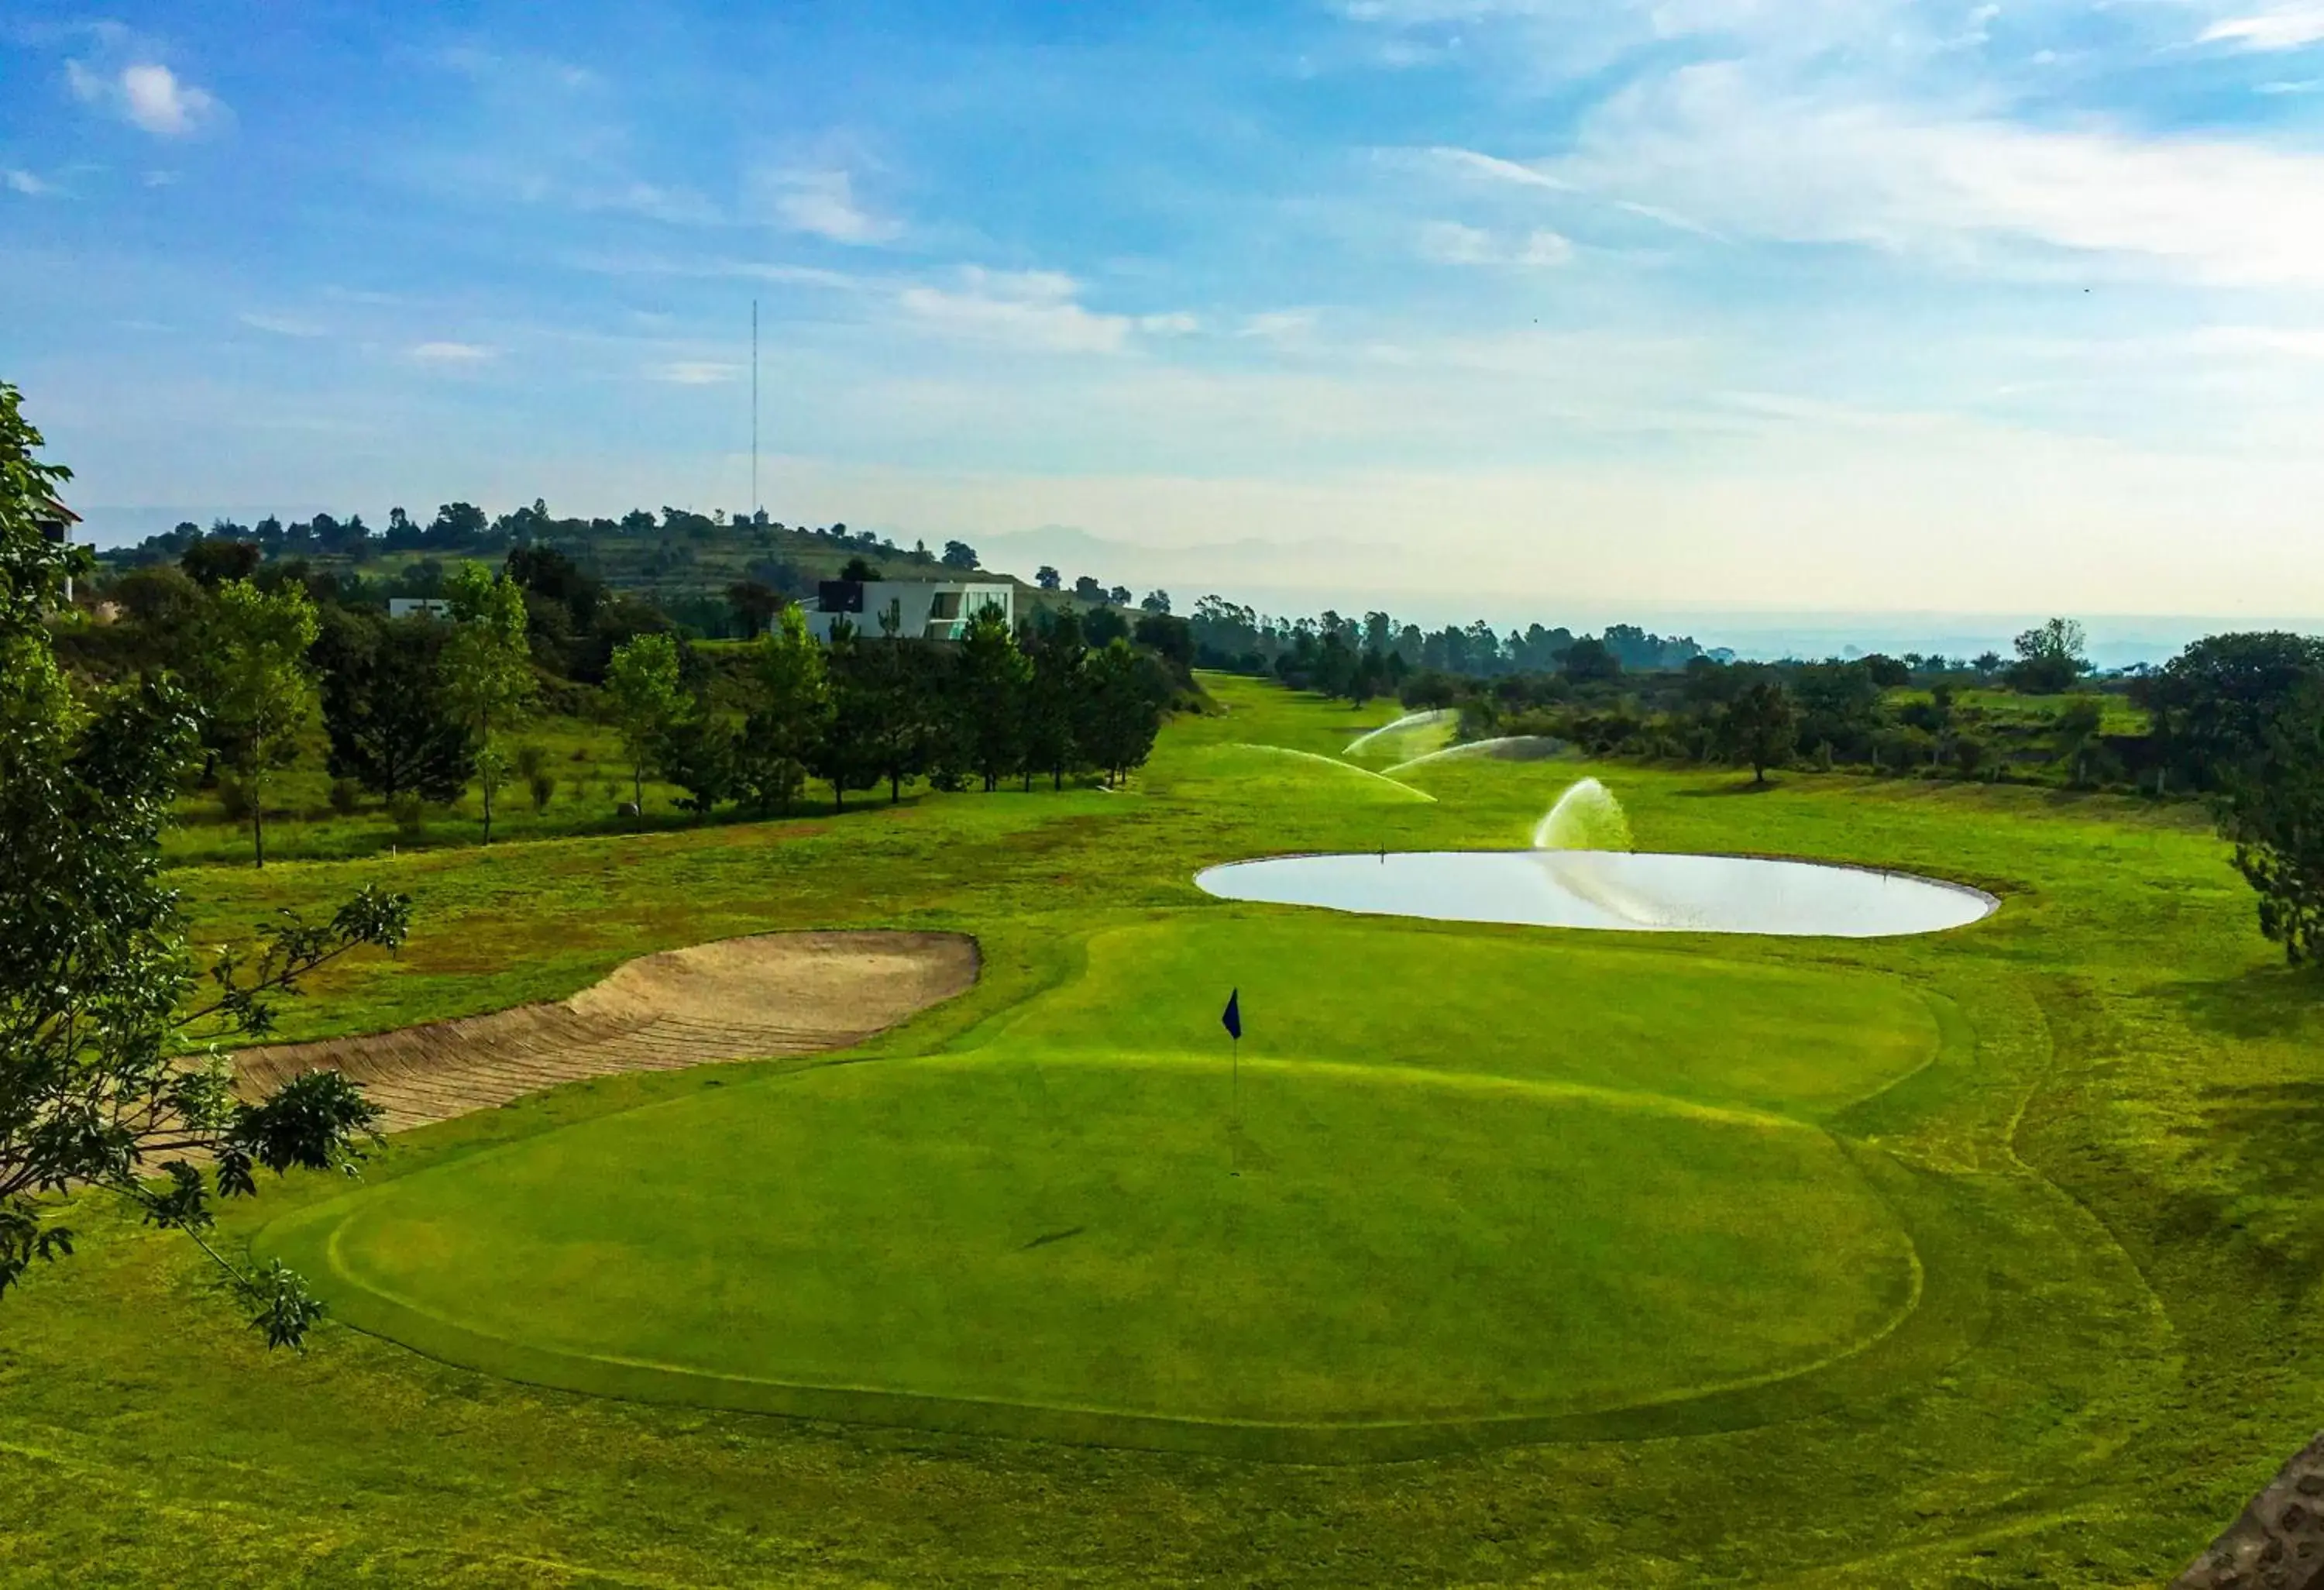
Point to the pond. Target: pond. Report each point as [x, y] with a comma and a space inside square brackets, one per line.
[1613, 891]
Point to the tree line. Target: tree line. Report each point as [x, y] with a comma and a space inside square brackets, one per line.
[417, 711]
[2236, 720]
[1361, 658]
[862, 711]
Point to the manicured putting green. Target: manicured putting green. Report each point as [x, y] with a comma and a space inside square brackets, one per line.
[1064, 1233]
[1793, 1041]
[1484, 1177]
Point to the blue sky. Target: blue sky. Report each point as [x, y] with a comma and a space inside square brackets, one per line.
[1785, 304]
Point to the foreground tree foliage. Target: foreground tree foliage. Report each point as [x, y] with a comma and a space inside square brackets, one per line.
[110, 1070]
[2274, 812]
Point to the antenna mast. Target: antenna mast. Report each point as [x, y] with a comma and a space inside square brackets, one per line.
[754, 409]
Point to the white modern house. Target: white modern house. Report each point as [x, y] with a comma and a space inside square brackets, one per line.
[916, 609]
[55, 521]
[418, 607]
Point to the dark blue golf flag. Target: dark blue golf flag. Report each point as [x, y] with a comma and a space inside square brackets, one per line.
[1232, 1017]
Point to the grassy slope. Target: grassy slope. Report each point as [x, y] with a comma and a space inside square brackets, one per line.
[2112, 1188]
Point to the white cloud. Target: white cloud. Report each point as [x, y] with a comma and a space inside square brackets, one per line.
[147, 95]
[823, 203]
[1449, 243]
[1966, 187]
[1278, 324]
[1470, 162]
[1177, 323]
[25, 183]
[451, 353]
[677, 206]
[1027, 309]
[2287, 27]
[694, 373]
[280, 325]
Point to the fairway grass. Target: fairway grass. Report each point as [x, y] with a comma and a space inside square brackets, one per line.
[1986, 1258]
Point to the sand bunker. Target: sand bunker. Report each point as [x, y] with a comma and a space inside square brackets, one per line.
[1616, 891]
[738, 999]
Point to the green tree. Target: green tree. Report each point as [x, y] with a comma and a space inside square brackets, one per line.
[108, 1065]
[1123, 697]
[1758, 726]
[2273, 811]
[2049, 657]
[698, 755]
[755, 603]
[488, 668]
[2214, 703]
[847, 755]
[642, 680]
[384, 707]
[2076, 729]
[257, 686]
[906, 678]
[790, 713]
[993, 678]
[1588, 660]
[1051, 743]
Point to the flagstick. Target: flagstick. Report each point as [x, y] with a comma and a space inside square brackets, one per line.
[1234, 1127]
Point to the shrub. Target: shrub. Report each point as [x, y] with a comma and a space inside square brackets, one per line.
[345, 796]
[408, 812]
[234, 799]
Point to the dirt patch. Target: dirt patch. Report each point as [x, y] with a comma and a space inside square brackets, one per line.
[738, 999]
[2278, 1543]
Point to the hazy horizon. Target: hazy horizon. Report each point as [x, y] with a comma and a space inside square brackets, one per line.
[2118, 639]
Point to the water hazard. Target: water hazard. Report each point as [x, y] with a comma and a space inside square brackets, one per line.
[1614, 890]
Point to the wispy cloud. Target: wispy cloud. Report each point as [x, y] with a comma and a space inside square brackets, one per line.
[823, 203]
[2286, 27]
[22, 182]
[1037, 309]
[777, 271]
[1449, 243]
[147, 95]
[694, 373]
[1470, 162]
[1277, 325]
[451, 353]
[280, 325]
[1713, 142]
[529, 70]
[677, 206]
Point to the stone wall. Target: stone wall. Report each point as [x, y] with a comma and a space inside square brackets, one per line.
[2278, 1543]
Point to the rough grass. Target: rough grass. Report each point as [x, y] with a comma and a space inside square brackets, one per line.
[2108, 1171]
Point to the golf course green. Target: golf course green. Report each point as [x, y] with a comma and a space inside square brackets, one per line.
[1366, 1229]
[1493, 1255]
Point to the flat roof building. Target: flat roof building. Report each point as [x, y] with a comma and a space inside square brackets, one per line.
[916, 609]
[56, 521]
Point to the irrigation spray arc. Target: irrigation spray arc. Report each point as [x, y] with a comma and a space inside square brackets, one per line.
[1409, 723]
